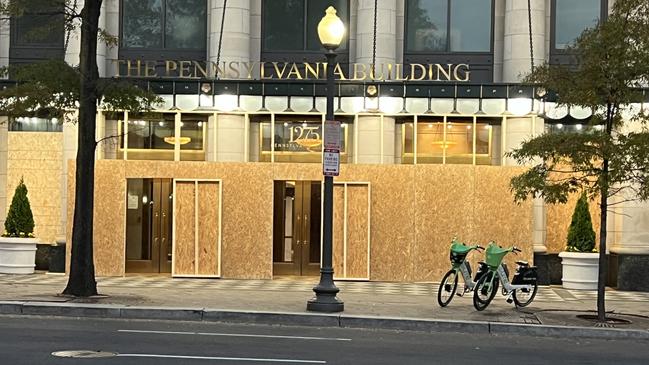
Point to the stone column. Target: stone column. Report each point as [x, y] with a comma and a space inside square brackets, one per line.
[368, 130]
[230, 138]
[499, 35]
[74, 40]
[102, 46]
[514, 131]
[516, 47]
[386, 33]
[236, 31]
[111, 23]
[4, 136]
[4, 43]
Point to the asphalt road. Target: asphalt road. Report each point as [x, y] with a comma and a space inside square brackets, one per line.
[31, 340]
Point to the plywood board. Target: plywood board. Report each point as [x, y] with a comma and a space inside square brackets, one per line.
[357, 232]
[184, 246]
[37, 157]
[444, 198]
[339, 231]
[208, 228]
[558, 218]
[497, 217]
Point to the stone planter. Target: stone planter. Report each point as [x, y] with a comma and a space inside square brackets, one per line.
[17, 255]
[580, 270]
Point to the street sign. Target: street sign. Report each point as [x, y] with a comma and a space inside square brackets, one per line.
[332, 135]
[331, 163]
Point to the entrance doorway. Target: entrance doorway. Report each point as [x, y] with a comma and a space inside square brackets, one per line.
[148, 225]
[296, 227]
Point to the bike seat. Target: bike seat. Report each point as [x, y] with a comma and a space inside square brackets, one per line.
[522, 263]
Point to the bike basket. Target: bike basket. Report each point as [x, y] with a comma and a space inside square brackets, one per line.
[457, 257]
[494, 255]
[525, 275]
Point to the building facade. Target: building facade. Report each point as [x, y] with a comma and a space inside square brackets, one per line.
[224, 178]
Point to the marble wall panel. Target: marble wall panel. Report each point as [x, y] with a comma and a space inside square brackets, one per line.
[559, 217]
[339, 230]
[357, 231]
[208, 228]
[37, 158]
[444, 198]
[184, 247]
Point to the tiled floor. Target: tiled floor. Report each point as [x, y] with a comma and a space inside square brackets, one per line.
[546, 293]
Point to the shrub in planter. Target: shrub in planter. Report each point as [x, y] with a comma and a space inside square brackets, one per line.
[17, 244]
[20, 220]
[581, 236]
[580, 262]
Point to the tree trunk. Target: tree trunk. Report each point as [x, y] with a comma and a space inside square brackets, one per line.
[82, 269]
[602, 270]
[603, 208]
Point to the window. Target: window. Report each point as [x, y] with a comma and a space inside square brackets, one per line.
[291, 25]
[570, 18]
[295, 139]
[164, 24]
[451, 141]
[37, 37]
[152, 136]
[25, 124]
[443, 26]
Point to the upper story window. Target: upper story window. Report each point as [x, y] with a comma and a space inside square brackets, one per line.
[291, 25]
[570, 18]
[289, 31]
[451, 32]
[163, 25]
[444, 26]
[37, 36]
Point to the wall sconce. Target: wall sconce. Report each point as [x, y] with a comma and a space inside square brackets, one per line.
[371, 94]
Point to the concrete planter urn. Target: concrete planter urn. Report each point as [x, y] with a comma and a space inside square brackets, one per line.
[580, 270]
[17, 255]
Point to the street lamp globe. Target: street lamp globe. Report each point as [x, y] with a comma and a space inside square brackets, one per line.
[331, 29]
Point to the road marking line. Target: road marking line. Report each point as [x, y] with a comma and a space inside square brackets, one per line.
[223, 358]
[238, 335]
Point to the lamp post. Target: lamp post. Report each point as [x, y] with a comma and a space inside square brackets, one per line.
[330, 31]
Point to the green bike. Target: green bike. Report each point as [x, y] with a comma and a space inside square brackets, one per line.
[448, 286]
[522, 289]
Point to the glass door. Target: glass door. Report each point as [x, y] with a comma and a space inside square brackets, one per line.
[148, 225]
[296, 228]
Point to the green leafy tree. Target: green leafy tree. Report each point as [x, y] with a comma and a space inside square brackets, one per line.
[20, 221]
[581, 236]
[54, 89]
[612, 159]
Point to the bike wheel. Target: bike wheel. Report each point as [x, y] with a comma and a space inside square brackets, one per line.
[523, 297]
[447, 288]
[485, 291]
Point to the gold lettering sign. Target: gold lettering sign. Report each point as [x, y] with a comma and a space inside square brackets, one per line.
[292, 70]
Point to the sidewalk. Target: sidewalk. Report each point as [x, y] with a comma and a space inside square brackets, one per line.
[283, 301]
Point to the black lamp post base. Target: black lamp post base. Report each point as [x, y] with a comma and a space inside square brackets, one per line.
[326, 303]
[325, 299]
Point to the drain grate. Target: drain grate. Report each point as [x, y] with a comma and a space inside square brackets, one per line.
[84, 354]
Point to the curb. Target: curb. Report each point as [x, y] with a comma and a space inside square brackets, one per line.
[311, 319]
